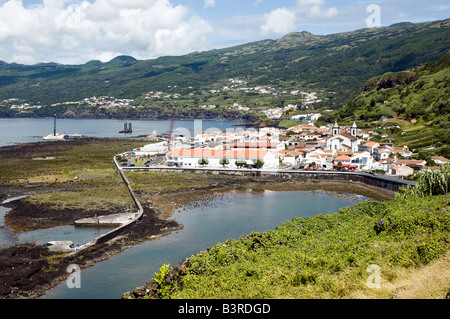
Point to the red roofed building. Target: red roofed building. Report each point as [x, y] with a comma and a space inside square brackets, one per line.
[215, 158]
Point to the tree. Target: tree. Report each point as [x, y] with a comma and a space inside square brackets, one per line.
[259, 163]
[203, 161]
[224, 161]
[339, 165]
[240, 163]
[429, 183]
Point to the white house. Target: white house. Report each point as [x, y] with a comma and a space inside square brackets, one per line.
[363, 160]
[214, 158]
[383, 153]
[440, 160]
[291, 157]
[152, 149]
[272, 146]
[369, 146]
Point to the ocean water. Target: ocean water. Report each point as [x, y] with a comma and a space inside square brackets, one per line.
[205, 225]
[25, 130]
[79, 235]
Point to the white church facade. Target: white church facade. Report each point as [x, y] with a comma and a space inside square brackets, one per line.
[343, 141]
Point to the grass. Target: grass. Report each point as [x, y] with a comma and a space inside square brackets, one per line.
[97, 185]
[100, 193]
[157, 181]
[327, 256]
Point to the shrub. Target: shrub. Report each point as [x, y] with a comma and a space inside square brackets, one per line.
[163, 288]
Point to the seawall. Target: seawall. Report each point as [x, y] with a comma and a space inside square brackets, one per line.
[385, 182]
[116, 231]
[113, 233]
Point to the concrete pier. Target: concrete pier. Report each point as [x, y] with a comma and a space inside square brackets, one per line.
[114, 220]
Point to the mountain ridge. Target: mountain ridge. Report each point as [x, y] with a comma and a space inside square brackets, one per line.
[340, 62]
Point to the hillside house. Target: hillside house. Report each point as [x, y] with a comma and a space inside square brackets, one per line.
[401, 171]
[440, 160]
[291, 157]
[369, 146]
[414, 164]
[362, 160]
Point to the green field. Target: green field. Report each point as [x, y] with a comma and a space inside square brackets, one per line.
[73, 175]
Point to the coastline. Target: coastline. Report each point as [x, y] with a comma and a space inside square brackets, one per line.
[30, 270]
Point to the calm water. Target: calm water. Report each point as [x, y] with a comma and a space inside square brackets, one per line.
[79, 235]
[13, 131]
[229, 217]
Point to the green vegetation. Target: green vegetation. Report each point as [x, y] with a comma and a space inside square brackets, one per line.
[325, 256]
[429, 183]
[169, 182]
[415, 104]
[78, 174]
[101, 193]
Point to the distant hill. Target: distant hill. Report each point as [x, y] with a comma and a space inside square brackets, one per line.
[420, 96]
[339, 62]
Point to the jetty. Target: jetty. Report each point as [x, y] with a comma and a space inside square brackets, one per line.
[119, 221]
[114, 220]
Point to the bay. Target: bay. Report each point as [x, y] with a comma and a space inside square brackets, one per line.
[26, 130]
[205, 225]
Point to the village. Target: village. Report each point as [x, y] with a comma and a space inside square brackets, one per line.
[305, 146]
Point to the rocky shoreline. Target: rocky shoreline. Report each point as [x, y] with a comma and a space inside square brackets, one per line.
[29, 270]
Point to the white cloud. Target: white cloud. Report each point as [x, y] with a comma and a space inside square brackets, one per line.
[315, 8]
[278, 21]
[310, 2]
[209, 3]
[74, 31]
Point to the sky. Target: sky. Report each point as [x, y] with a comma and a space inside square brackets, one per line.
[77, 31]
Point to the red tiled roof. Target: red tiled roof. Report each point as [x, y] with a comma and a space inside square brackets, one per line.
[254, 145]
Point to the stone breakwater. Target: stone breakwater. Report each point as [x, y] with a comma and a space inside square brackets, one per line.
[383, 182]
[122, 221]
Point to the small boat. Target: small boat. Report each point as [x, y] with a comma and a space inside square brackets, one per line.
[56, 137]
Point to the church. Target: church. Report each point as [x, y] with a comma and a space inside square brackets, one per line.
[341, 140]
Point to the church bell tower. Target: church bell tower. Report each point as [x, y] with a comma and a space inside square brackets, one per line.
[354, 130]
[336, 129]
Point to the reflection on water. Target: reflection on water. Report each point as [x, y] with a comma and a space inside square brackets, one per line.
[79, 235]
[205, 224]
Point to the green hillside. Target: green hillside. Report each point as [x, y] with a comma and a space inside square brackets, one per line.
[339, 62]
[414, 104]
